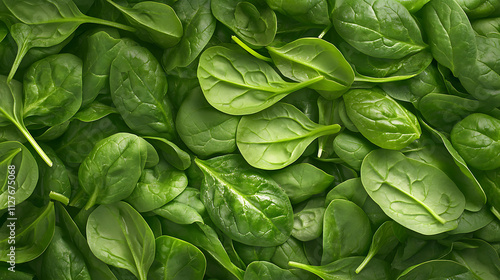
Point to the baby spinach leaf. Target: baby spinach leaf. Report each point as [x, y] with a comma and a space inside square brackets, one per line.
[352, 148]
[33, 232]
[254, 24]
[473, 221]
[309, 12]
[95, 111]
[234, 192]
[185, 209]
[53, 179]
[155, 22]
[18, 173]
[481, 259]
[416, 195]
[490, 182]
[157, 187]
[266, 270]
[476, 193]
[480, 8]
[112, 169]
[277, 136]
[237, 83]
[413, 6]
[98, 269]
[346, 231]
[172, 153]
[52, 90]
[436, 269]
[380, 119]
[450, 35]
[249, 254]
[308, 219]
[62, 260]
[476, 138]
[396, 34]
[301, 181]
[205, 238]
[56, 20]
[488, 27]
[177, 260]
[345, 269]
[118, 235]
[11, 112]
[291, 250]
[81, 137]
[138, 89]
[383, 242]
[308, 58]
[205, 130]
[199, 26]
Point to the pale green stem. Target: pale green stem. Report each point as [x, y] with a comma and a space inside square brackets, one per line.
[250, 50]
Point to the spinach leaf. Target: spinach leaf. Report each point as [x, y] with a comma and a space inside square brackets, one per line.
[33, 232]
[234, 192]
[118, 235]
[254, 24]
[345, 269]
[81, 137]
[199, 26]
[477, 137]
[53, 179]
[155, 22]
[489, 181]
[157, 187]
[52, 90]
[18, 173]
[436, 269]
[346, 231]
[249, 254]
[205, 238]
[473, 221]
[56, 20]
[138, 87]
[301, 181]
[416, 195]
[185, 209]
[237, 83]
[277, 136]
[352, 148]
[11, 112]
[266, 270]
[177, 260]
[172, 153]
[396, 34]
[62, 260]
[95, 111]
[481, 259]
[450, 35]
[475, 193]
[112, 169]
[98, 269]
[308, 58]
[308, 219]
[380, 119]
[205, 130]
[309, 12]
[383, 242]
[291, 251]
[488, 27]
[480, 8]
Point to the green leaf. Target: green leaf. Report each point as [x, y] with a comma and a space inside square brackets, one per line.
[177, 260]
[236, 193]
[266, 270]
[277, 136]
[383, 242]
[416, 195]
[18, 173]
[119, 236]
[436, 269]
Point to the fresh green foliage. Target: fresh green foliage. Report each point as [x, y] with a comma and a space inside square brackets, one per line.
[245, 140]
[416, 195]
[119, 236]
[237, 83]
[276, 137]
[233, 192]
[138, 87]
[380, 119]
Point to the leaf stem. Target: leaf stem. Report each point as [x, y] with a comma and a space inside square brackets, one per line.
[109, 23]
[365, 262]
[323, 33]
[59, 197]
[21, 52]
[33, 143]
[250, 50]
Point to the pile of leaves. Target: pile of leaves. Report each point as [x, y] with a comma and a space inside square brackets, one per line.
[189, 139]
